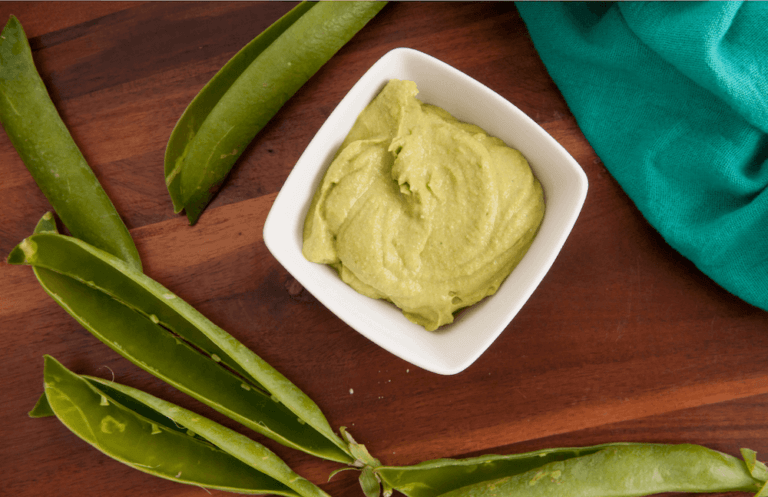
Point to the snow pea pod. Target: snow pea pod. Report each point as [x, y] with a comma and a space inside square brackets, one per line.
[248, 91]
[629, 470]
[50, 154]
[165, 440]
[133, 314]
[194, 115]
[438, 476]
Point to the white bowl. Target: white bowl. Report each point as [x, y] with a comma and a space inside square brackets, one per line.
[453, 347]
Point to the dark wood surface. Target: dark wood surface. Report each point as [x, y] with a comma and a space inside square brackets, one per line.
[624, 340]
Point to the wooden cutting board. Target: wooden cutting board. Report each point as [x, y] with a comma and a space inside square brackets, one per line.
[624, 340]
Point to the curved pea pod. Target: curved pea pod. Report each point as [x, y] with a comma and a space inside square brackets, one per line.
[162, 334]
[248, 91]
[194, 115]
[165, 440]
[624, 470]
[50, 154]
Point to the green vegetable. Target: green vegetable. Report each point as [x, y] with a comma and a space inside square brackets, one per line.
[244, 95]
[625, 470]
[162, 334]
[114, 302]
[132, 314]
[165, 440]
[50, 154]
[435, 477]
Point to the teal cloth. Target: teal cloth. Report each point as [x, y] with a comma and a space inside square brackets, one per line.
[673, 98]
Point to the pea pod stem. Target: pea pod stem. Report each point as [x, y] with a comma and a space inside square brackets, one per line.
[248, 91]
[50, 154]
[132, 314]
[165, 440]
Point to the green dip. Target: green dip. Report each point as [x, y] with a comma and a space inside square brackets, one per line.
[421, 209]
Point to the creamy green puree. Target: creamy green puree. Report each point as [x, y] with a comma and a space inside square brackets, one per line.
[422, 210]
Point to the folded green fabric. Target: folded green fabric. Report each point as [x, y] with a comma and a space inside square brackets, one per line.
[673, 97]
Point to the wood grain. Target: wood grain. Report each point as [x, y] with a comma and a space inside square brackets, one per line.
[623, 340]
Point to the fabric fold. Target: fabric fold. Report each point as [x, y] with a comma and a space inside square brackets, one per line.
[673, 97]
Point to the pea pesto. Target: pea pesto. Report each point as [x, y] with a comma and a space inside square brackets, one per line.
[421, 209]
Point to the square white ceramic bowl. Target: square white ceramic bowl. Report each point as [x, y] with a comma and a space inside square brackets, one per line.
[453, 347]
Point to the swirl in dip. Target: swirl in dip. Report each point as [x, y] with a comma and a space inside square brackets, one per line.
[421, 209]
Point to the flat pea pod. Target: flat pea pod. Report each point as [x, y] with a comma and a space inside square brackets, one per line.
[434, 477]
[629, 470]
[162, 334]
[248, 91]
[50, 154]
[165, 440]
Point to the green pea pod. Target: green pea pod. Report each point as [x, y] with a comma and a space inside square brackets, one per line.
[438, 476]
[165, 440]
[162, 334]
[620, 470]
[193, 117]
[50, 154]
[248, 91]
